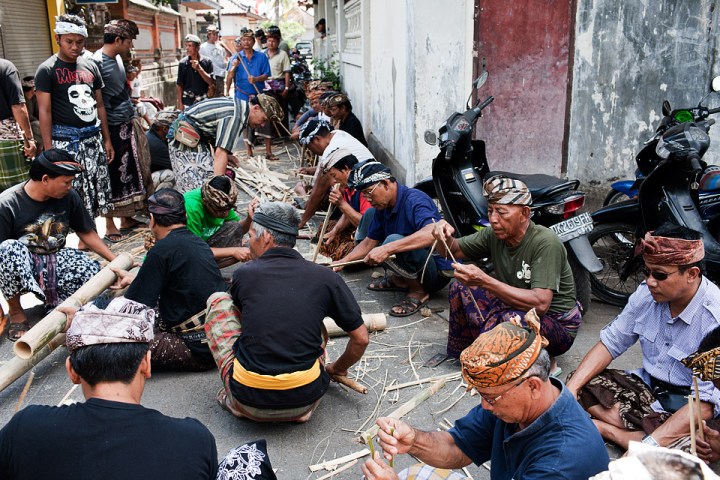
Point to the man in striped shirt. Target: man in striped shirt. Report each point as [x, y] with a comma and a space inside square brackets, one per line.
[219, 123]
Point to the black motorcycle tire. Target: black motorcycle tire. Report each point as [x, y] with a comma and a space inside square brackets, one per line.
[614, 197]
[582, 282]
[613, 244]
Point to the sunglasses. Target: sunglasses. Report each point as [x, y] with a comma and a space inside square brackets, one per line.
[493, 400]
[659, 276]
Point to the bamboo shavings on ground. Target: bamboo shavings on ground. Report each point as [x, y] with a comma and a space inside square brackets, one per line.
[448, 377]
[333, 464]
[341, 469]
[407, 407]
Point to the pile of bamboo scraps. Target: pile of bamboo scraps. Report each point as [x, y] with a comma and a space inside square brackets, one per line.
[254, 178]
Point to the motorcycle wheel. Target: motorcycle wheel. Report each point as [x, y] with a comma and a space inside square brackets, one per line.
[582, 282]
[614, 197]
[613, 244]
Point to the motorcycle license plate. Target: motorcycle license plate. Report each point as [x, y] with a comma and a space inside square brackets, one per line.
[573, 227]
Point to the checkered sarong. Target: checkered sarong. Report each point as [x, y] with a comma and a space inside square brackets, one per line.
[13, 164]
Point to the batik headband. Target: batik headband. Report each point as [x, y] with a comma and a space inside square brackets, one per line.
[274, 224]
[123, 28]
[367, 174]
[503, 354]
[311, 129]
[671, 251]
[215, 199]
[506, 191]
[63, 28]
[67, 167]
[122, 321]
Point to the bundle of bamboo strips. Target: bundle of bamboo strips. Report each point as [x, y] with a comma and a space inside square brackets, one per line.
[256, 180]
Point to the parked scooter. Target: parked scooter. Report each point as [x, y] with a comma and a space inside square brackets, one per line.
[458, 173]
[671, 163]
[300, 76]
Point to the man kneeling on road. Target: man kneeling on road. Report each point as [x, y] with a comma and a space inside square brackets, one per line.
[531, 271]
[528, 424]
[267, 338]
[402, 226]
[110, 435]
[670, 313]
[178, 275]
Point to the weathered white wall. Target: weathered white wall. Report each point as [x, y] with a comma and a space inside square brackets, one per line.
[406, 66]
[629, 57]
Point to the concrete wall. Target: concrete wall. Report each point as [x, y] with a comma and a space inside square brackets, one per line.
[629, 57]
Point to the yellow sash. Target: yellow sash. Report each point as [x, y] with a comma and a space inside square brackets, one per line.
[283, 381]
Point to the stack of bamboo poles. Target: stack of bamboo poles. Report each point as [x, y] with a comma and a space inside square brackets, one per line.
[254, 178]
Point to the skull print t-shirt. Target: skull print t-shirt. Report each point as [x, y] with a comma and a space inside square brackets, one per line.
[72, 89]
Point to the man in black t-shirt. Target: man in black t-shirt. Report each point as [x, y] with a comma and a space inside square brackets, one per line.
[340, 109]
[72, 113]
[267, 338]
[35, 218]
[194, 72]
[110, 435]
[177, 277]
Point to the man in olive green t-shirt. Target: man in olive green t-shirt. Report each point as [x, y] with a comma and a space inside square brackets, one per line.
[211, 216]
[531, 271]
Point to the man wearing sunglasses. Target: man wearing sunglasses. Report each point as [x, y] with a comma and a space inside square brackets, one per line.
[527, 424]
[669, 314]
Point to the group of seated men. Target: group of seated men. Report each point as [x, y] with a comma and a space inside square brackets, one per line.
[182, 314]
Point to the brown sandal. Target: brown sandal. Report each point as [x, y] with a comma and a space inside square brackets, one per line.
[408, 306]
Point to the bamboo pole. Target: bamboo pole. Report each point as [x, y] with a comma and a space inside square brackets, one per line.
[406, 407]
[701, 432]
[324, 227]
[55, 322]
[350, 383]
[691, 412]
[374, 322]
[17, 367]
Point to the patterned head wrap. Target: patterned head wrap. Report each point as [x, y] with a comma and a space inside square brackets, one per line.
[506, 191]
[193, 38]
[704, 365]
[337, 99]
[271, 107]
[366, 174]
[217, 201]
[123, 28]
[67, 166]
[671, 251]
[335, 156]
[122, 321]
[503, 354]
[165, 119]
[62, 28]
[312, 127]
[246, 32]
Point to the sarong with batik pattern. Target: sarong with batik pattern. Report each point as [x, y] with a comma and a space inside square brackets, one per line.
[86, 145]
[126, 178]
[467, 323]
[192, 166]
[52, 278]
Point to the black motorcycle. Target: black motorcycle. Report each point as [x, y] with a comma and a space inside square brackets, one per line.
[671, 164]
[301, 74]
[458, 173]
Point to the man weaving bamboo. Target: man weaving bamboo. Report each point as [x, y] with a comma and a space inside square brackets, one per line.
[267, 336]
[178, 275]
[528, 424]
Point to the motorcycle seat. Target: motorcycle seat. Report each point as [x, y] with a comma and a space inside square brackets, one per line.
[539, 184]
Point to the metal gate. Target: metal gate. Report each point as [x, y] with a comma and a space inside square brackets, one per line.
[25, 34]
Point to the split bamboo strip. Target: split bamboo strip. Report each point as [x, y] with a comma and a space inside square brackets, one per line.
[55, 322]
[324, 227]
[25, 391]
[407, 407]
[67, 395]
[351, 262]
[701, 432]
[17, 367]
[331, 464]
[373, 321]
[341, 469]
[691, 414]
[449, 376]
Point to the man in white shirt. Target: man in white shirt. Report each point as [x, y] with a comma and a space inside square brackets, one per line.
[213, 50]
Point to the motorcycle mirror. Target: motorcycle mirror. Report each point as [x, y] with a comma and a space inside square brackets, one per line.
[480, 81]
[430, 137]
[716, 84]
[666, 109]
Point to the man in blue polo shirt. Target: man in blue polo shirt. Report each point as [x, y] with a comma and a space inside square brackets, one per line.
[401, 227]
[250, 76]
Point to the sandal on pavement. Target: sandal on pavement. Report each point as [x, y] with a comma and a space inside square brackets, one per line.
[15, 330]
[132, 227]
[408, 306]
[385, 285]
[114, 237]
[272, 158]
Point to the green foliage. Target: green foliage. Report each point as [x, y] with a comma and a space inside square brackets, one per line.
[291, 30]
[328, 70]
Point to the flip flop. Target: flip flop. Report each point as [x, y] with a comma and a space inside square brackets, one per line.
[272, 158]
[15, 330]
[384, 285]
[135, 225]
[114, 237]
[409, 306]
